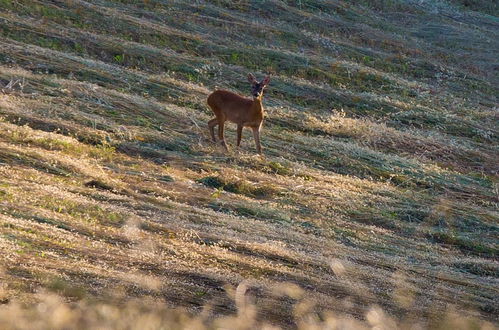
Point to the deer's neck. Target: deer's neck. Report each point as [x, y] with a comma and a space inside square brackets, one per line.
[257, 107]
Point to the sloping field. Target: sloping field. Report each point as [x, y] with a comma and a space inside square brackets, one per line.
[378, 190]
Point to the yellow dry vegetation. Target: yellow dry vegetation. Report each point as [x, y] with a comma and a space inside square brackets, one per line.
[374, 207]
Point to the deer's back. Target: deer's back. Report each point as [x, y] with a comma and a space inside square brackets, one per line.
[227, 101]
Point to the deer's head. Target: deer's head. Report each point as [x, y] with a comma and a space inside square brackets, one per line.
[257, 87]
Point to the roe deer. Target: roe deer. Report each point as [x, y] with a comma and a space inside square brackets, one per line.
[240, 110]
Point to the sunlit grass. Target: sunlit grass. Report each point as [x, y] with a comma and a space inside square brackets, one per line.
[375, 205]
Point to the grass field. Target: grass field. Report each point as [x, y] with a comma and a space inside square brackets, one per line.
[375, 204]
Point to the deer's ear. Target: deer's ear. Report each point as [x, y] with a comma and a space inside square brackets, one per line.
[251, 78]
[266, 80]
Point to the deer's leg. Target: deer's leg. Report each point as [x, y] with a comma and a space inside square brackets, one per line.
[256, 135]
[221, 134]
[211, 126]
[239, 134]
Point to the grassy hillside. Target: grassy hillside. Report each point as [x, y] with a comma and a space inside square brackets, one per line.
[376, 200]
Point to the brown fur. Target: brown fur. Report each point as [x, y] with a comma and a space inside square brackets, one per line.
[242, 111]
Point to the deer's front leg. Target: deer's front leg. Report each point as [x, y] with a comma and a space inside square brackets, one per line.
[256, 135]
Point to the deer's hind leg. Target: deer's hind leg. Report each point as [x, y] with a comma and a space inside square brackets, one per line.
[239, 134]
[221, 137]
[211, 126]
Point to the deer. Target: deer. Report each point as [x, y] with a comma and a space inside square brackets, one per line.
[242, 111]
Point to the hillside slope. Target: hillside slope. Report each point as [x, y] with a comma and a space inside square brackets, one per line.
[378, 186]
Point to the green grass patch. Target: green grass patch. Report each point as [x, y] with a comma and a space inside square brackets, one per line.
[252, 211]
[241, 187]
[465, 244]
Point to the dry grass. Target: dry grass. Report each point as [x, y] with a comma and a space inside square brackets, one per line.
[376, 202]
[51, 312]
